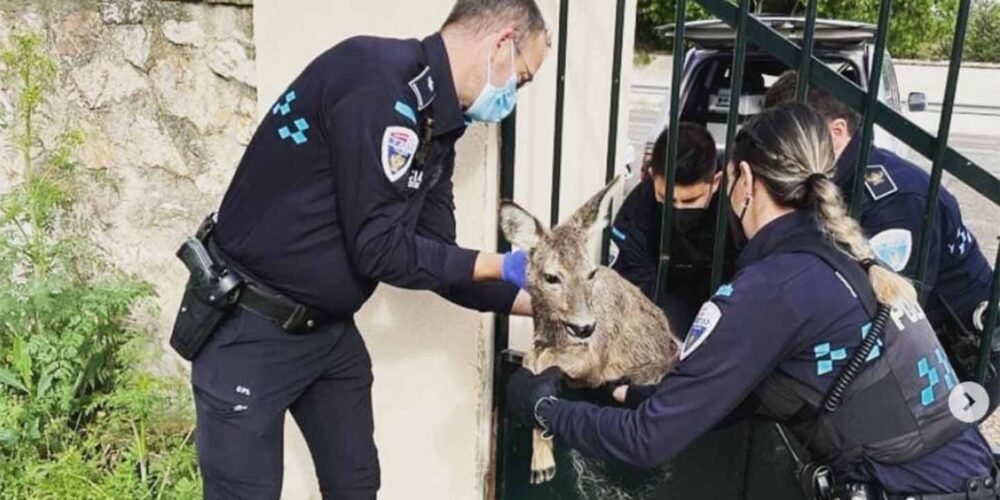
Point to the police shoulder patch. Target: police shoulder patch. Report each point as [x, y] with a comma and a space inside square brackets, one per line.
[878, 182]
[703, 326]
[399, 145]
[893, 246]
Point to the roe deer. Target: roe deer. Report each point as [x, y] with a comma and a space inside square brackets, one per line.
[589, 321]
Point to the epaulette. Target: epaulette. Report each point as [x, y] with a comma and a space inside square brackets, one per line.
[878, 182]
[422, 86]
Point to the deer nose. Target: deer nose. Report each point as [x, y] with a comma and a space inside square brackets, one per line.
[581, 331]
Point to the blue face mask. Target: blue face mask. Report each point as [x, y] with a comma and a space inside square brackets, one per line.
[495, 103]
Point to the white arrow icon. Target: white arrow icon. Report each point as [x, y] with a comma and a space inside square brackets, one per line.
[968, 402]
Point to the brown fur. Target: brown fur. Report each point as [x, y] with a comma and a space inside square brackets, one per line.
[631, 338]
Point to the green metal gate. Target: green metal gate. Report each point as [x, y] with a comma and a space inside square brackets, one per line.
[748, 460]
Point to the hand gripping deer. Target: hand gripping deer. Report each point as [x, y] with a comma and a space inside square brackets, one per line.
[589, 321]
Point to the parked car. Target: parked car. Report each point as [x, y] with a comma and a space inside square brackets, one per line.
[847, 47]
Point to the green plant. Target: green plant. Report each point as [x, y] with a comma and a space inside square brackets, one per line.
[983, 40]
[917, 28]
[79, 415]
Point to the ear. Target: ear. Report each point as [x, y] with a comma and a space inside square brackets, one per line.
[504, 36]
[520, 227]
[716, 182]
[586, 217]
[746, 177]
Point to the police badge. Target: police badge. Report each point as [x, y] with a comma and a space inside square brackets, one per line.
[399, 145]
[893, 246]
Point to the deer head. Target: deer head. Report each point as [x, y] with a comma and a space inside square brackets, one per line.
[560, 270]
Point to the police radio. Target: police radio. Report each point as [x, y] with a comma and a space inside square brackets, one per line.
[426, 134]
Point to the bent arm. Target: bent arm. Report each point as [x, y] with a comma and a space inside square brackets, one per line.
[740, 344]
[437, 222]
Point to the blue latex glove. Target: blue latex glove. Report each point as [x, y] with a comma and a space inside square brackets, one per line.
[514, 269]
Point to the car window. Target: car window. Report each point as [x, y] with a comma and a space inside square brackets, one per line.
[708, 93]
[888, 91]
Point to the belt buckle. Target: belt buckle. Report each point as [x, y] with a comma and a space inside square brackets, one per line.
[294, 322]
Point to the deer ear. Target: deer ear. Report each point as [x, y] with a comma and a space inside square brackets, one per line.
[593, 215]
[518, 226]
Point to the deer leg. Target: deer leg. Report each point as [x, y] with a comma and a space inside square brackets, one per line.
[543, 462]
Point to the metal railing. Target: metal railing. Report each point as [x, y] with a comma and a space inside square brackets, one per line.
[812, 71]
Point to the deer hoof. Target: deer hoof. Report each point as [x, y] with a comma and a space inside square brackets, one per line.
[543, 462]
[543, 476]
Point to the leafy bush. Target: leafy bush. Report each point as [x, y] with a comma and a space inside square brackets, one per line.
[80, 415]
[982, 41]
[917, 28]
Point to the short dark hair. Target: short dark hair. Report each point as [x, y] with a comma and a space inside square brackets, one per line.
[482, 15]
[695, 154]
[784, 90]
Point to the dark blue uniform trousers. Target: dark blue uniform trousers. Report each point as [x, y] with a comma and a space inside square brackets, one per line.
[244, 379]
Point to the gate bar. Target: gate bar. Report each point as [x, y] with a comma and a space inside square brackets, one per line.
[501, 322]
[735, 96]
[989, 324]
[805, 61]
[616, 85]
[560, 104]
[871, 97]
[944, 129]
[680, 19]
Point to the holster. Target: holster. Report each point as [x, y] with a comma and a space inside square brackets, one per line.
[211, 294]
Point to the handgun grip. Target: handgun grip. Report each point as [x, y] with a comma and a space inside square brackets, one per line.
[195, 257]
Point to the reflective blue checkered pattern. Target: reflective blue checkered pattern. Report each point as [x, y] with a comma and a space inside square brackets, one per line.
[298, 136]
[300, 125]
[925, 370]
[950, 379]
[933, 375]
[877, 350]
[284, 105]
[825, 357]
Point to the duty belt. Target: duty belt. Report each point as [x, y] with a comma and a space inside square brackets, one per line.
[978, 488]
[291, 316]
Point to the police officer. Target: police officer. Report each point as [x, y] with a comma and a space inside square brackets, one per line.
[783, 330]
[636, 231]
[346, 184]
[957, 280]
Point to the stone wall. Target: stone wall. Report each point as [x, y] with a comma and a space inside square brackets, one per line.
[164, 93]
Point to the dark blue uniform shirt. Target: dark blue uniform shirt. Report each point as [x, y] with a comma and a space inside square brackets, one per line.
[775, 315]
[895, 197]
[340, 188]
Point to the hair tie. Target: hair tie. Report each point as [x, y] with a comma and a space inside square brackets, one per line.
[867, 263]
[814, 179]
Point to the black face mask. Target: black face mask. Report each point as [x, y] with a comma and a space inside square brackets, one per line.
[686, 220]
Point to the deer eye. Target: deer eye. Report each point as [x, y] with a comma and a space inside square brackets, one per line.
[552, 279]
[592, 274]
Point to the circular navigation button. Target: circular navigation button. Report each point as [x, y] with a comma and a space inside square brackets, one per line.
[969, 402]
